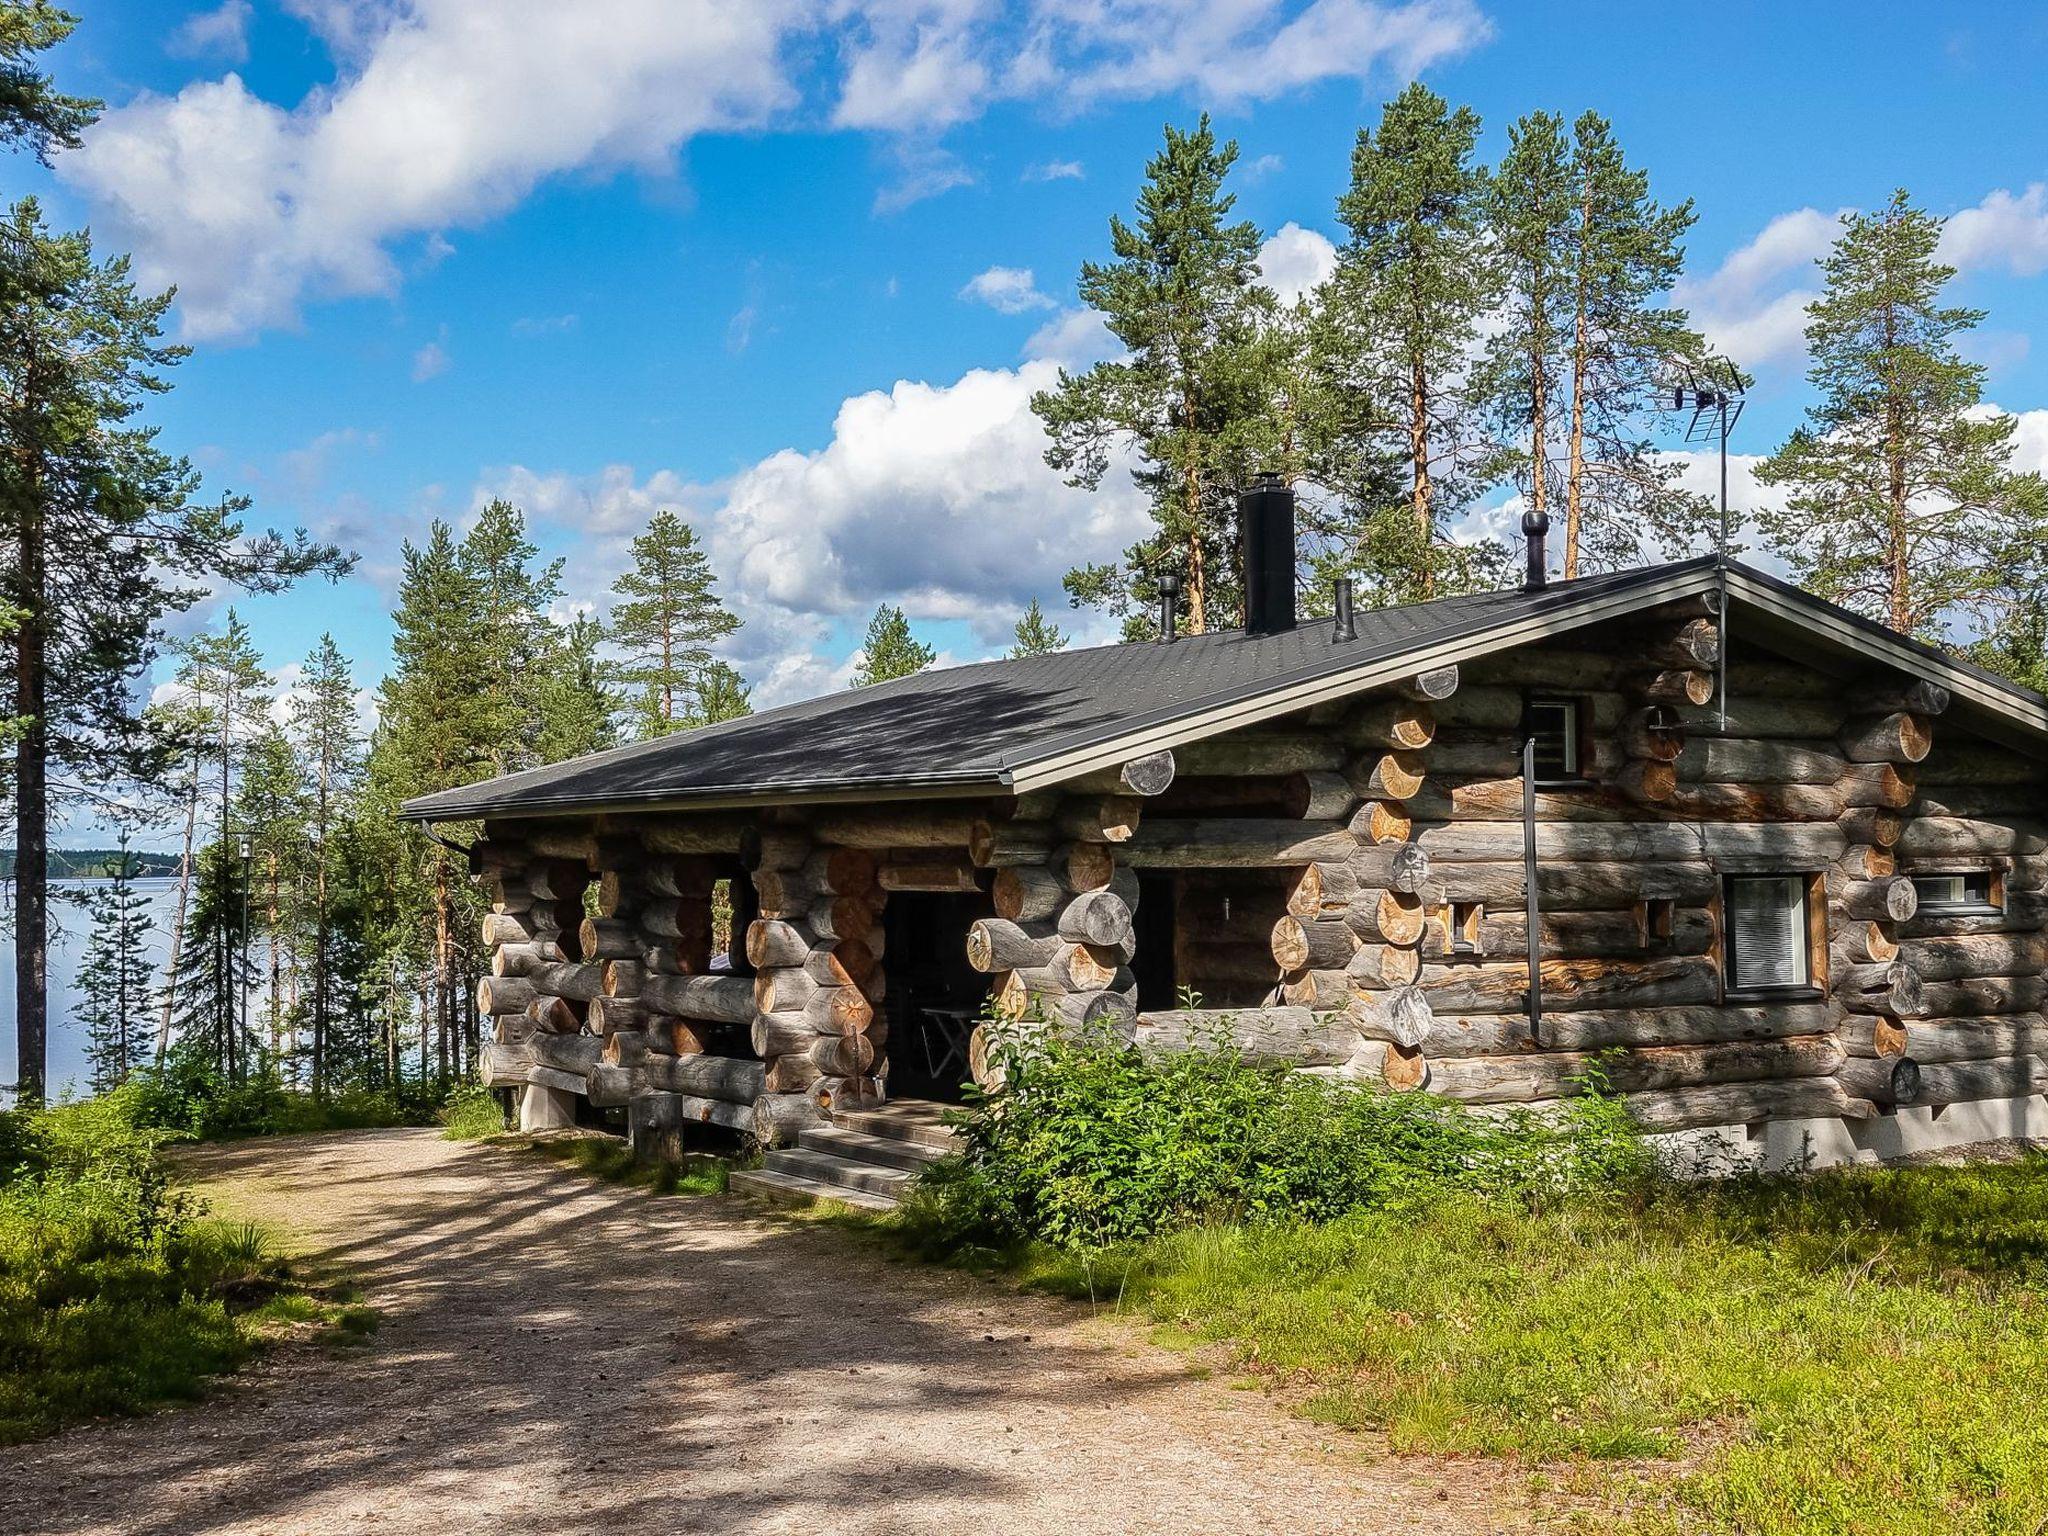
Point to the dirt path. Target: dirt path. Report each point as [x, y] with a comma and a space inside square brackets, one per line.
[560, 1355]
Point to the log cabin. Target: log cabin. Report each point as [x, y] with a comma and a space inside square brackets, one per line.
[1782, 872]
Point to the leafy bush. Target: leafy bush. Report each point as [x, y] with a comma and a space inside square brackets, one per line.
[188, 1093]
[471, 1113]
[115, 1292]
[1090, 1144]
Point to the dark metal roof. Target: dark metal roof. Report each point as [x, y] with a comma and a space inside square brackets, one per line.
[975, 727]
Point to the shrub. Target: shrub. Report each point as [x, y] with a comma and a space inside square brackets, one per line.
[1089, 1143]
[471, 1113]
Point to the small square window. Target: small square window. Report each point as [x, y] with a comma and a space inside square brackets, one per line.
[1769, 933]
[1965, 891]
[1554, 726]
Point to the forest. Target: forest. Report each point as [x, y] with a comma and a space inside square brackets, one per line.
[1494, 338]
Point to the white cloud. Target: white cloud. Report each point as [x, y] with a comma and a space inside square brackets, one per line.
[221, 33]
[1753, 306]
[2002, 231]
[1007, 290]
[1074, 339]
[255, 207]
[1056, 170]
[1295, 260]
[252, 208]
[430, 362]
[1260, 167]
[934, 496]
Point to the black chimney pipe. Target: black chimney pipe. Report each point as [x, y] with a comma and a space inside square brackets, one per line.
[1535, 533]
[1346, 625]
[1265, 514]
[1169, 591]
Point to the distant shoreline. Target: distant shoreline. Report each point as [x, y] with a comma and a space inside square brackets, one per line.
[97, 864]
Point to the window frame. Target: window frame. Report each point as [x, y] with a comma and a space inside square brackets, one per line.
[1813, 907]
[1577, 741]
[1992, 903]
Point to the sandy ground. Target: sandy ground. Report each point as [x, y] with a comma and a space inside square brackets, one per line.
[560, 1355]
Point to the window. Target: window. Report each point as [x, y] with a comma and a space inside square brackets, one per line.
[1966, 891]
[1769, 933]
[1554, 723]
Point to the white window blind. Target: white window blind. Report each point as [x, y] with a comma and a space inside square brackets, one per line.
[1967, 891]
[1554, 723]
[1767, 932]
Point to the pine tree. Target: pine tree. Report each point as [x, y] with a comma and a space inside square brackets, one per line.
[113, 978]
[437, 729]
[516, 641]
[103, 535]
[1529, 205]
[1623, 253]
[324, 730]
[228, 691]
[1394, 329]
[274, 812]
[34, 115]
[1902, 503]
[1193, 398]
[667, 617]
[575, 700]
[890, 650]
[722, 694]
[1036, 634]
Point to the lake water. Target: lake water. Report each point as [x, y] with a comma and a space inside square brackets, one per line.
[70, 920]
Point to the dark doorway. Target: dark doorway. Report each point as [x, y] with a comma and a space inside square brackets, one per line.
[1157, 920]
[934, 996]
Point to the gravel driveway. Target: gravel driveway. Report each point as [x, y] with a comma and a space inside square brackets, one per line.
[560, 1355]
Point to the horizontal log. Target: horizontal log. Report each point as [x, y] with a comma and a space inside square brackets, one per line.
[1647, 780]
[779, 1118]
[1792, 844]
[1313, 943]
[608, 1016]
[1983, 995]
[1503, 986]
[1864, 861]
[685, 834]
[1685, 1109]
[1985, 802]
[1243, 752]
[1392, 775]
[1381, 821]
[502, 1066]
[1090, 967]
[1096, 917]
[1149, 775]
[503, 994]
[1746, 760]
[610, 938]
[1383, 966]
[1889, 987]
[1116, 1011]
[945, 875]
[1599, 1029]
[567, 1053]
[1891, 900]
[1674, 685]
[996, 944]
[1885, 1080]
[1913, 695]
[1980, 763]
[508, 927]
[1396, 723]
[1928, 837]
[1650, 1069]
[1887, 784]
[1892, 738]
[538, 1076]
[1965, 1082]
[1930, 1041]
[578, 983]
[1235, 844]
[1099, 819]
[777, 941]
[1386, 917]
[1026, 894]
[1696, 644]
[1580, 935]
[1860, 943]
[910, 824]
[1325, 990]
[1436, 684]
[608, 1085]
[726, 999]
[840, 871]
[1292, 1035]
[1400, 1017]
[1872, 826]
[1978, 954]
[1574, 886]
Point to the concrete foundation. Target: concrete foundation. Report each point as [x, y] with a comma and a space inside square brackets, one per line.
[1779, 1145]
[546, 1109]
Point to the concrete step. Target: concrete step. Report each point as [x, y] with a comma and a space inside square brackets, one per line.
[790, 1189]
[912, 1120]
[844, 1172]
[888, 1151]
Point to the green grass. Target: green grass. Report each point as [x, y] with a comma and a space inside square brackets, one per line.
[611, 1159]
[1864, 1351]
[472, 1113]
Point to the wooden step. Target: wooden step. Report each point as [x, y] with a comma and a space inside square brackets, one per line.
[859, 1146]
[840, 1172]
[912, 1120]
[791, 1189]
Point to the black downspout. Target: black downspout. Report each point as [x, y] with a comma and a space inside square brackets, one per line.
[1531, 902]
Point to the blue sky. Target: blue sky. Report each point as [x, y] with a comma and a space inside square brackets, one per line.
[766, 261]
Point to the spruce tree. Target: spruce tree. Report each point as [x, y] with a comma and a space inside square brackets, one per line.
[274, 812]
[516, 641]
[1529, 204]
[1901, 501]
[328, 740]
[113, 980]
[1192, 399]
[722, 694]
[575, 699]
[1036, 635]
[1623, 253]
[102, 534]
[666, 618]
[1395, 326]
[890, 649]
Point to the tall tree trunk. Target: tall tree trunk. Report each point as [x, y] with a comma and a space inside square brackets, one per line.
[320, 933]
[1191, 481]
[1899, 597]
[441, 968]
[32, 814]
[1575, 474]
[163, 1028]
[1418, 452]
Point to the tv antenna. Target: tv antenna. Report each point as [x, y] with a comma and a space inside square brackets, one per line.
[1710, 393]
